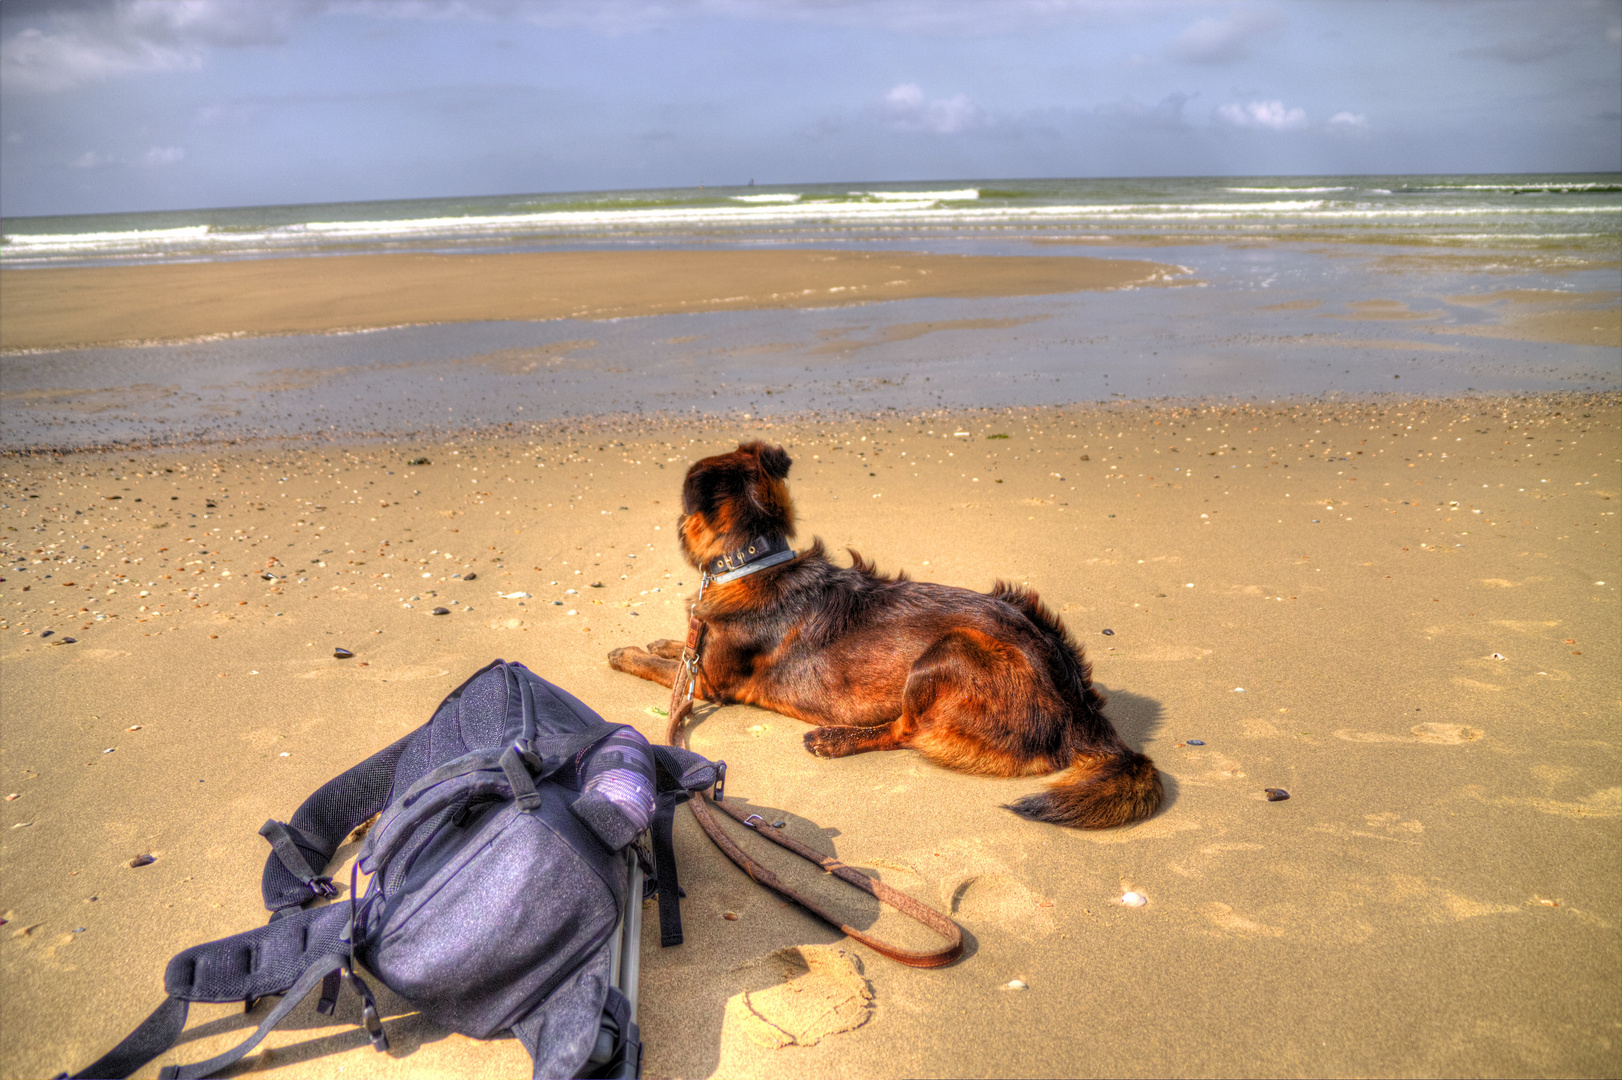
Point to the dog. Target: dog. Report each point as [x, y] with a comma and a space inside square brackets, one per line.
[987, 683]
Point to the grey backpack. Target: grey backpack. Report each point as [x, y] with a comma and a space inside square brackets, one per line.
[504, 865]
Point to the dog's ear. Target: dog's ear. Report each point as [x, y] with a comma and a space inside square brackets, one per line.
[776, 462]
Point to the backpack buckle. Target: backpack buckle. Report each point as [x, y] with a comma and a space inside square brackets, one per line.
[720, 780]
[323, 887]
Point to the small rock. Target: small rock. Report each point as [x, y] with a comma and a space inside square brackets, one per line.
[442, 611]
[470, 577]
[1196, 742]
[1276, 794]
[730, 916]
[1109, 633]
[46, 633]
[596, 584]
[779, 824]
[1134, 899]
[1016, 984]
[141, 860]
[341, 654]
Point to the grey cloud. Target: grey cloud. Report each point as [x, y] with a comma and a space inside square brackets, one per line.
[1164, 115]
[54, 46]
[1226, 41]
[1519, 50]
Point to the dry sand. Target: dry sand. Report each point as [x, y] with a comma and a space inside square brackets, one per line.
[54, 308]
[1403, 612]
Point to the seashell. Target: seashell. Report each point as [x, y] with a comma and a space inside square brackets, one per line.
[141, 860]
[419, 461]
[1276, 794]
[1016, 984]
[441, 611]
[1196, 742]
[470, 577]
[730, 916]
[341, 654]
[1109, 633]
[1134, 899]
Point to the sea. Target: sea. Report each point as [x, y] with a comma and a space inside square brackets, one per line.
[1508, 212]
[1282, 287]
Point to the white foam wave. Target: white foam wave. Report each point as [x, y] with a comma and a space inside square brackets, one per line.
[1291, 190]
[772, 198]
[959, 195]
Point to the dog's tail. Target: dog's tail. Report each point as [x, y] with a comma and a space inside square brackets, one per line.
[1098, 792]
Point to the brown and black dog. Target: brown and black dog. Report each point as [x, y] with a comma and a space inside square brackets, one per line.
[988, 683]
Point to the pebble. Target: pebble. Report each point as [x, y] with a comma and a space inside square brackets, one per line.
[341, 654]
[1109, 633]
[779, 824]
[141, 860]
[442, 611]
[1134, 899]
[730, 916]
[1016, 984]
[419, 461]
[470, 577]
[1196, 742]
[596, 584]
[1276, 794]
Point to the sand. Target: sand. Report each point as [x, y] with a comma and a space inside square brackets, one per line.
[1404, 612]
[55, 308]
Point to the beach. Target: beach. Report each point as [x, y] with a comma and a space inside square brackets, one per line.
[1335, 520]
[1402, 612]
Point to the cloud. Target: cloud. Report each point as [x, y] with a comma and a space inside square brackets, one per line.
[1164, 115]
[905, 108]
[159, 156]
[1226, 41]
[89, 160]
[1519, 50]
[1349, 123]
[1270, 115]
[55, 46]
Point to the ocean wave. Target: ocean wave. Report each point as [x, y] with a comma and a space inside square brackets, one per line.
[958, 195]
[783, 198]
[1291, 190]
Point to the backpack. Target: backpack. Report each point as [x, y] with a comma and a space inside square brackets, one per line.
[502, 859]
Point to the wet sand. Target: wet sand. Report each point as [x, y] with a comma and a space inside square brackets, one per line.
[1402, 611]
[55, 308]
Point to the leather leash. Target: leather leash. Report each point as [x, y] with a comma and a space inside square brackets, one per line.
[681, 705]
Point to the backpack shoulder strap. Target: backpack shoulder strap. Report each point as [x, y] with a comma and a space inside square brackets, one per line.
[302, 847]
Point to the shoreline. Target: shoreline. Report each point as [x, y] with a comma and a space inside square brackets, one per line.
[62, 308]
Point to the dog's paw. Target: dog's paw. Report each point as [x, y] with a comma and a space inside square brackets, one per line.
[666, 649]
[828, 742]
[623, 658]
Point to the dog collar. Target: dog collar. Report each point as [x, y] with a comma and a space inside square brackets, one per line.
[748, 560]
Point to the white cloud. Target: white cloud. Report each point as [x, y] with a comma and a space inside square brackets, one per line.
[49, 47]
[1349, 123]
[89, 160]
[162, 155]
[906, 108]
[1271, 115]
[1225, 41]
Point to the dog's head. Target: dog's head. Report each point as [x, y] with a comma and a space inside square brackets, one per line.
[730, 499]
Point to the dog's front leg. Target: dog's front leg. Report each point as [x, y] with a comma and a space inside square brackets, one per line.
[832, 742]
[644, 665]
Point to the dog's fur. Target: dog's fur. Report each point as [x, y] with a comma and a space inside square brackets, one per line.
[986, 683]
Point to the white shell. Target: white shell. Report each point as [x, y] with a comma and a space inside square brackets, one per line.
[1134, 899]
[1015, 984]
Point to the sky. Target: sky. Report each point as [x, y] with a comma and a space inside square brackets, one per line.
[131, 105]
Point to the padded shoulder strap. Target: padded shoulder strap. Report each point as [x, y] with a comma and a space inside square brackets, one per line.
[321, 824]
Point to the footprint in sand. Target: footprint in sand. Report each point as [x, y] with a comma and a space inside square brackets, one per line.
[996, 900]
[819, 991]
[1433, 734]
